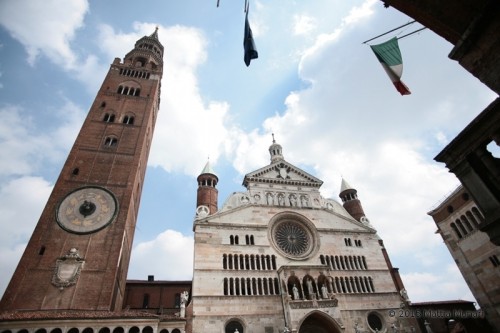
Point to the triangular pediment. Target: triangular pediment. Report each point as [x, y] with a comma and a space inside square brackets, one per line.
[282, 172]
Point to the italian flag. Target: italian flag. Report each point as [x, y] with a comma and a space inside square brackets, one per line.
[390, 57]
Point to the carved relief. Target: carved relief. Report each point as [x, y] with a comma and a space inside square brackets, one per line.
[67, 269]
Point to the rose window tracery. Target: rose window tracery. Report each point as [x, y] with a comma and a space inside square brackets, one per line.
[292, 238]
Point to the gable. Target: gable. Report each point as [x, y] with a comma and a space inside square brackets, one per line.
[282, 172]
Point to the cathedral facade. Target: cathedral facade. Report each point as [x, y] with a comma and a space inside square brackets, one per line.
[279, 257]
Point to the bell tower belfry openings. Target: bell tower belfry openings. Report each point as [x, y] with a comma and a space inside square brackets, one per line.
[78, 255]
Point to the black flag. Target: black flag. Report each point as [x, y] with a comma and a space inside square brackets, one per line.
[248, 43]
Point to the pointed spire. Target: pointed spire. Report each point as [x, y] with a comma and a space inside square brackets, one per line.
[345, 186]
[276, 151]
[208, 169]
[155, 34]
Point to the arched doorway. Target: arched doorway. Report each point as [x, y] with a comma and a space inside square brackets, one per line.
[318, 322]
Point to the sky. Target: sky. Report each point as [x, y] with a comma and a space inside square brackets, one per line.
[315, 85]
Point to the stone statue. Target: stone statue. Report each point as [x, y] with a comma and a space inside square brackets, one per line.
[310, 287]
[281, 200]
[304, 201]
[293, 200]
[404, 295]
[324, 291]
[269, 197]
[295, 292]
[184, 299]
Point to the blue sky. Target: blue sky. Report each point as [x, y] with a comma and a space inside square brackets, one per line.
[315, 85]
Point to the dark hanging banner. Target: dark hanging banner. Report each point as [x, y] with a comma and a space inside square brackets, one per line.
[248, 42]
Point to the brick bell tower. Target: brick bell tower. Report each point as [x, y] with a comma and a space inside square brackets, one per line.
[78, 255]
[351, 202]
[207, 193]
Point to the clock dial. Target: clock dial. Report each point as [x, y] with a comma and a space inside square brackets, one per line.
[86, 210]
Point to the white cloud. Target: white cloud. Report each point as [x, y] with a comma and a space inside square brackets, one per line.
[21, 203]
[24, 147]
[45, 26]
[303, 24]
[446, 284]
[169, 255]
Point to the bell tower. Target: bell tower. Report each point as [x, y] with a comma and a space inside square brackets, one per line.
[78, 255]
[350, 201]
[207, 193]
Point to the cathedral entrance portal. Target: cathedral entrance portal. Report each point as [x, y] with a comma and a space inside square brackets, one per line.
[318, 322]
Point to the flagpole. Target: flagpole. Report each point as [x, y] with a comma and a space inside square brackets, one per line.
[411, 33]
[385, 33]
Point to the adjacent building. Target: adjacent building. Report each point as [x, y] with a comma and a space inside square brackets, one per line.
[458, 219]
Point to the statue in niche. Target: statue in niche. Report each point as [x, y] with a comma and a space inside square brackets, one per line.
[184, 299]
[269, 197]
[281, 199]
[293, 200]
[310, 289]
[295, 292]
[304, 201]
[324, 292]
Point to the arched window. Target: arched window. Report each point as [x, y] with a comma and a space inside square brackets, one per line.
[466, 223]
[224, 261]
[128, 120]
[472, 218]
[231, 239]
[225, 287]
[232, 327]
[455, 229]
[110, 142]
[88, 330]
[236, 240]
[247, 239]
[109, 118]
[251, 240]
[102, 330]
[461, 227]
[477, 214]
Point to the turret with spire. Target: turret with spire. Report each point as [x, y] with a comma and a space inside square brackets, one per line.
[207, 192]
[276, 151]
[350, 200]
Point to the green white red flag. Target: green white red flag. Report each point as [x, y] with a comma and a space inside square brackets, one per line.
[389, 55]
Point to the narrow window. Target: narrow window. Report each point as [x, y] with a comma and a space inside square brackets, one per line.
[251, 240]
[137, 92]
[120, 90]
[236, 240]
[177, 301]
[494, 260]
[75, 171]
[42, 250]
[145, 301]
[247, 240]
[455, 229]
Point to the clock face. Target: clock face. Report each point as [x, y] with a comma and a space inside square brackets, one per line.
[86, 210]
